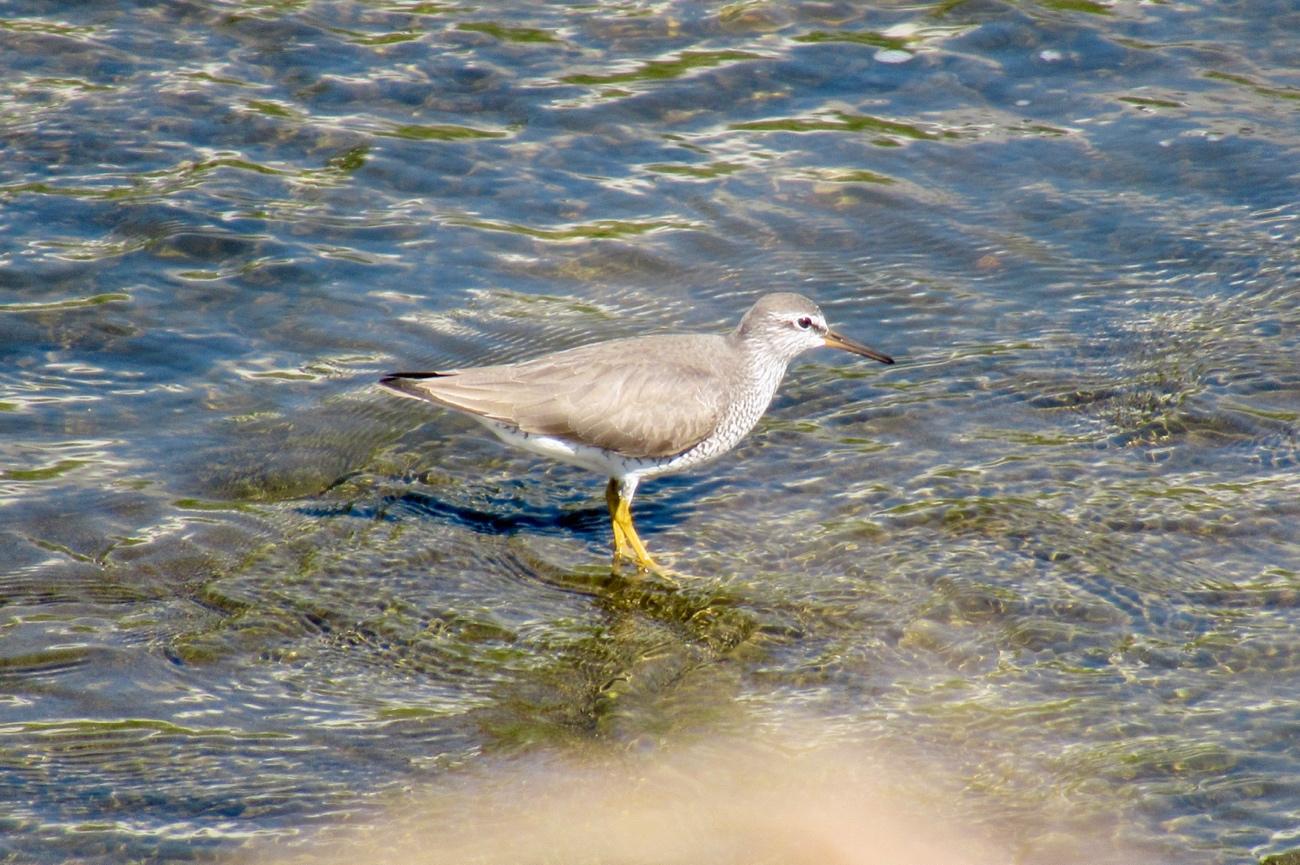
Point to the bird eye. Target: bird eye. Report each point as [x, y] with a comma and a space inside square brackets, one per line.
[805, 322]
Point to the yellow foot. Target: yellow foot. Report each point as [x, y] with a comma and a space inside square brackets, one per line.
[627, 544]
[642, 564]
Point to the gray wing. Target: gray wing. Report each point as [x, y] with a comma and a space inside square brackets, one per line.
[650, 396]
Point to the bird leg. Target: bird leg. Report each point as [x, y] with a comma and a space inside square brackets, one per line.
[612, 501]
[627, 545]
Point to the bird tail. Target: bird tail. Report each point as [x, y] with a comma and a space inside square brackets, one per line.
[407, 383]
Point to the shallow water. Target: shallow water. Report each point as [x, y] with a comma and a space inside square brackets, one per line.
[1052, 553]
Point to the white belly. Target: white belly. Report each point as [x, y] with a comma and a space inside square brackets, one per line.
[597, 460]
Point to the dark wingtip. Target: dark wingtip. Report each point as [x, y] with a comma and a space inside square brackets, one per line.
[391, 379]
[404, 383]
[413, 375]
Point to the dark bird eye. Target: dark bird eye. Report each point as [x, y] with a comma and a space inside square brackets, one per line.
[805, 322]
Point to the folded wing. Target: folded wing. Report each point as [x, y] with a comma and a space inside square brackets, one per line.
[642, 397]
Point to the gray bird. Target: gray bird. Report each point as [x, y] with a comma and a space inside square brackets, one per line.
[638, 407]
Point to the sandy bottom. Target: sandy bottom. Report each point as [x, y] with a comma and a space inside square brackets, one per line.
[765, 799]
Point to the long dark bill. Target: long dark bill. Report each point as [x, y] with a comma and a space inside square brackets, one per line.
[834, 340]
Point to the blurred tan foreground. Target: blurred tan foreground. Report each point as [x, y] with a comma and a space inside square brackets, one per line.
[756, 801]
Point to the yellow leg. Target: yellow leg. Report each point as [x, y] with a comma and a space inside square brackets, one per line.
[627, 545]
[624, 516]
[621, 549]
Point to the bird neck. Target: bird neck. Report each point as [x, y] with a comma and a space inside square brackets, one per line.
[760, 365]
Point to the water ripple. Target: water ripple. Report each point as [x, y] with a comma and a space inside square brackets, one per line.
[248, 591]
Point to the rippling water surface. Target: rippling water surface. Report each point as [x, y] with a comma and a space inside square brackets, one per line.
[1051, 556]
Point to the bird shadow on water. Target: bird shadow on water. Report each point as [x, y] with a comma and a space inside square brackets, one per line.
[512, 508]
[690, 611]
